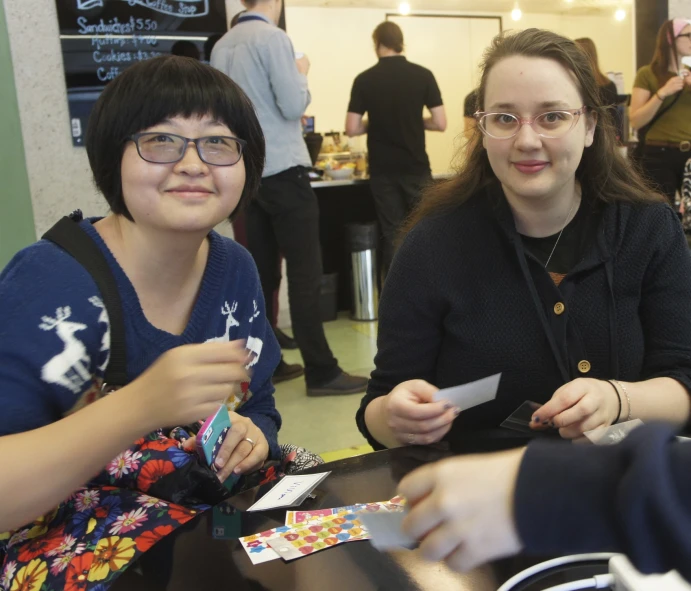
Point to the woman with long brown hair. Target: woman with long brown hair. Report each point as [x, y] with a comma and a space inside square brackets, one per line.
[608, 89]
[547, 259]
[661, 107]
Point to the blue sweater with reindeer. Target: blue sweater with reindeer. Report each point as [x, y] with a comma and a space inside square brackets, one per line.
[55, 337]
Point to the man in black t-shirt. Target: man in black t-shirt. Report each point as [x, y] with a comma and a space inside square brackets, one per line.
[394, 94]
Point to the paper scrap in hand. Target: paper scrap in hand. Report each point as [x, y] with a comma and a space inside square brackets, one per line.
[612, 434]
[385, 530]
[471, 394]
[522, 418]
[289, 491]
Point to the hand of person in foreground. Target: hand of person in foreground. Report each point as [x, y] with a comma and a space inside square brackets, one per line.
[462, 508]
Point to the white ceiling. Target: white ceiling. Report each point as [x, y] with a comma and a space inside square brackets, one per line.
[574, 7]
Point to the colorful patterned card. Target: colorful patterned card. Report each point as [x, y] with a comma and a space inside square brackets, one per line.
[256, 547]
[307, 538]
[308, 517]
[297, 517]
[311, 531]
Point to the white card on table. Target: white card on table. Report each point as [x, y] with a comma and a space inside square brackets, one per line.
[472, 394]
[385, 530]
[613, 434]
[289, 491]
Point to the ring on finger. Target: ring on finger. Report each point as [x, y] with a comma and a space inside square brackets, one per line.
[248, 440]
[411, 439]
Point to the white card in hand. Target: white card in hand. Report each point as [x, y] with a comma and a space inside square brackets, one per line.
[289, 491]
[385, 530]
[472, 394]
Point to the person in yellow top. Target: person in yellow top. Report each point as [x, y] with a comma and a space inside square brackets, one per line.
[661, 102]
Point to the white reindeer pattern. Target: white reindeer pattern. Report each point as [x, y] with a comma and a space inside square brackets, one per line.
[70, 367]
[254, 345]
[256, 311]
[230, 322]
[105, 340]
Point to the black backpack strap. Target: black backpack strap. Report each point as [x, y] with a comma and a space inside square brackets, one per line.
[71, 237]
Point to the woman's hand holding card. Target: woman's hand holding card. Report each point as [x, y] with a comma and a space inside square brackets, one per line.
[581, 405]
[415, 417]
[244, 449]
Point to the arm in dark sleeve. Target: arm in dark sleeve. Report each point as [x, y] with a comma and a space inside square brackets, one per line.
[411, 313]
[433, 98]
[357, 102]
[665, 299]
[633, 498]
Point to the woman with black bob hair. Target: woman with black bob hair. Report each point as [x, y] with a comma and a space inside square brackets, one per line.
[175, 148]
[159, 89]
[547, 259]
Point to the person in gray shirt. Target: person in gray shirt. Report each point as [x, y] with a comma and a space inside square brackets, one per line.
[260, 58]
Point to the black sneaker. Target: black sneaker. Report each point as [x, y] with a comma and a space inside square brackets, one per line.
[285, 341]
[341, 384]
[287, 371]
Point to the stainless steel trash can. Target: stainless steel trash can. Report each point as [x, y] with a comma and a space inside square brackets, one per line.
[362, 245]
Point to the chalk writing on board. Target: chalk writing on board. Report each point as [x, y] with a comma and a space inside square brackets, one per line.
[186, 8]
[102, 38]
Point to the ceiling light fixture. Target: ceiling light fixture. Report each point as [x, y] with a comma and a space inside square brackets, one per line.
[620, 14]
[404, 8]
[516, 13]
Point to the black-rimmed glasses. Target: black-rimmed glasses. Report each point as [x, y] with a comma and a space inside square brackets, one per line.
[551, 125]
[167, 148]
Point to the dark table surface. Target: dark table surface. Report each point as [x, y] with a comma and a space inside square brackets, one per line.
[194, 558]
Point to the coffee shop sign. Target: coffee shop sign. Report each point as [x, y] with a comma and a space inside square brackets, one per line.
[176, 8]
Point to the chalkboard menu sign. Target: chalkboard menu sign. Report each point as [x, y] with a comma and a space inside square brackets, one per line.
[101, 38]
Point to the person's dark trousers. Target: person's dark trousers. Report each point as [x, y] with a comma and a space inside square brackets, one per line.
[665, 168]
[285, 218]
[395, 196]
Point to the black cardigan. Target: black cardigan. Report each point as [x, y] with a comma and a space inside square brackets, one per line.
[463, 301]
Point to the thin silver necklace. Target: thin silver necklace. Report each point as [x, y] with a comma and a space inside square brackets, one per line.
[566, 223]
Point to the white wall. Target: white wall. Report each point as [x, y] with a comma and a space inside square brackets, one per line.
[680, 9]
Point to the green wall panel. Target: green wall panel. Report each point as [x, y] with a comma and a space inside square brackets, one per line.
[16, 214]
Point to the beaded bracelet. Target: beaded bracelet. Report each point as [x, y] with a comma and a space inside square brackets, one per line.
[611, 382]
[628, 399]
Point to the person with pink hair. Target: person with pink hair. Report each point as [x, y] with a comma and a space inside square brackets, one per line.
[661, 109]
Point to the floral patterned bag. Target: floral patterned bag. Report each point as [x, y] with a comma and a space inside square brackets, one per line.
[99, 530]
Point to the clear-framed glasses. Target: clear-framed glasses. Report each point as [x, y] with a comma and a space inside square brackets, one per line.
[166, 148]
[687, 35]
[551, 125]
